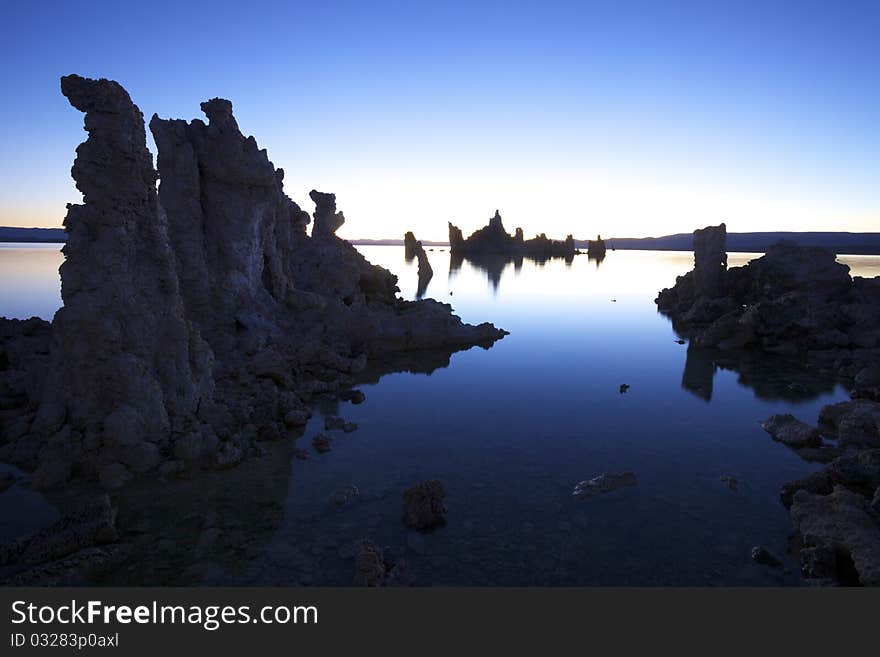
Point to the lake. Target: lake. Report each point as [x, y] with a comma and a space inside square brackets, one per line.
[510, 431]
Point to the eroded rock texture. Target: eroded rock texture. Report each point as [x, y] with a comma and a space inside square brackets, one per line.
[197, 318]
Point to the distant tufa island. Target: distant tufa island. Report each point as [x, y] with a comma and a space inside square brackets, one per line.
[493, 239]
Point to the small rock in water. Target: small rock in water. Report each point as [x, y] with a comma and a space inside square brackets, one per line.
[763, 556]
[301, 454]
[730, 480]
[345, 495]
[423, 507]
[604, 483]
[348, 427]
[623, 388]
[321, 442]
[680, 341]
[333, 422]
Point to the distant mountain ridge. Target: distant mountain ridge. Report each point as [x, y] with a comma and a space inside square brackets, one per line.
[16, 234]
[839, 242]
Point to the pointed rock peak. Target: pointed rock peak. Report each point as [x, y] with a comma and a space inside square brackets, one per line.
[219, 112]
[495, 222]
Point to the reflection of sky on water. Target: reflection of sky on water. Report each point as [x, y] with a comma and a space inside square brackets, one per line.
[512, 429]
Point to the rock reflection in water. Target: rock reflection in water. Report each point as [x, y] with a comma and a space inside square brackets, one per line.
[771, 378]
[494, 264]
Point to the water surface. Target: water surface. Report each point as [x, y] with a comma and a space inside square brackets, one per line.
[510, 431]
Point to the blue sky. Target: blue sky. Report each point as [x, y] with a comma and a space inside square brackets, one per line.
[625, 118]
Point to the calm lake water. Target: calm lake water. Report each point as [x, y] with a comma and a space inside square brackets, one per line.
[510, 431]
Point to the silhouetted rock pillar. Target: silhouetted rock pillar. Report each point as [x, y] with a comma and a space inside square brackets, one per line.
[409, 246]
[129, 370]
[710, 260]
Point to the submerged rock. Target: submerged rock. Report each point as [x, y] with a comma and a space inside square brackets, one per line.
[92, 524]
[322, 443]
[730, 481]
[763, 556]
[345, 495]
[374, 570]
[603, 483]
[423, 507]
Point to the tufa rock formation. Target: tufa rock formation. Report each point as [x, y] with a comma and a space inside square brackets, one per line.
[800, 302]
[596, 249]
[410, 244]
[413, 249]
[494, 239]
[794, 301]
[197, 318]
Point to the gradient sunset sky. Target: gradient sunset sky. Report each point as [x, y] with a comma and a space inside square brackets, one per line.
[620, 118]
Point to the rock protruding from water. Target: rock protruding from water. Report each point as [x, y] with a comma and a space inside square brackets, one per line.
[794, 301]
[789, 430]
[710, 260]
[410, 245]
[199, 318]
[596, 249]
[413, 249]
[493, 239]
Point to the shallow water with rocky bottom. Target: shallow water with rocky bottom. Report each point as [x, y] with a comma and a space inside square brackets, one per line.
[510, 431]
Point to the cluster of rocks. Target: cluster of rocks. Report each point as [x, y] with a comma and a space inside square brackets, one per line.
[795, 301]
[494, 239]
[836, 510]
[198, 317]
[800, 302]
[413, 250]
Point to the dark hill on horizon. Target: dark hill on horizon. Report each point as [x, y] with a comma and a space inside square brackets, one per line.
[839, 242]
